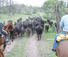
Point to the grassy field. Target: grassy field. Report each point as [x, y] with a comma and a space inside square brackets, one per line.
[5, 17]
[13, 17]
[20, 48]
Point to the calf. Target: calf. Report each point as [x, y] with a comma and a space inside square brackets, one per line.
[46, 28]
[28, 31]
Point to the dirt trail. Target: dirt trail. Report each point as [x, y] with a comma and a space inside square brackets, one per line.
[32, 47]
[10, 47]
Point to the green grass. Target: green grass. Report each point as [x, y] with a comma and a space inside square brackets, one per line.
[48, 43]
[19, 50]
[46, 52]
[13, 17]
[5, 17]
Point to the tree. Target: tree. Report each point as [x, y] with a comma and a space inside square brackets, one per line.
[55, 9]
[58, 17]
[49, 8]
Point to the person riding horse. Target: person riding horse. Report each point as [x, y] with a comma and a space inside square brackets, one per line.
[64, 24]
[4, 33]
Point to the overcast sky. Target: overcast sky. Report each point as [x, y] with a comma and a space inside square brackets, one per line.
[32, 2]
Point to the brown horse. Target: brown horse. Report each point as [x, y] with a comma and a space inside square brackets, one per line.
[62, 49]
[6, 28]
[1, 53]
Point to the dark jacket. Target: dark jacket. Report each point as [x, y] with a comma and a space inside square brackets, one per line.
[1, 26]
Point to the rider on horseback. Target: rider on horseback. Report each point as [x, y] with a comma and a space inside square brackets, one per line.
[64, 24]
[2, 31]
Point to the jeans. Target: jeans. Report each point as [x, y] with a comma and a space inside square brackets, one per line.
[55, 42]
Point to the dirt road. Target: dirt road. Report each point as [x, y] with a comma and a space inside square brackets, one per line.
[9, 48]
[32, 47]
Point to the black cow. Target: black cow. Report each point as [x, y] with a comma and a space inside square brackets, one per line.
[11, 34]
[50, 23]
[39, 31]
[29, 24]
[25, 24]
[17, 28]
[33, 29]
[16, 31]
[46, 28]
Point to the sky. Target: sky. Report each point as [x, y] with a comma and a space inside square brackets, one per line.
[65, 0]
[31, 2]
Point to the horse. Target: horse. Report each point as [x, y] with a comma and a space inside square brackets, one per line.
[62, 49]
[6, 28]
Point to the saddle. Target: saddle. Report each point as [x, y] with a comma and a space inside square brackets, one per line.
[62, 37]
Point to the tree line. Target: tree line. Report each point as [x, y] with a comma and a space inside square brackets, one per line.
[10, 7]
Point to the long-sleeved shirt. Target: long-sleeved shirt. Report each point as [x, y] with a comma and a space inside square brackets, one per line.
[64, 23]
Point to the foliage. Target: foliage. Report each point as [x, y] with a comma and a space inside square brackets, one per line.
[38, 14]
[13, 8]
[49, 7]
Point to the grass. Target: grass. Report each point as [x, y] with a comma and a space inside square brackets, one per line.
[13, 17]
[49, 44]
[48, 40]
[19, 50]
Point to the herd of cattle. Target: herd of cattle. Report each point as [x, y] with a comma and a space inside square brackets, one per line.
[30, 25]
